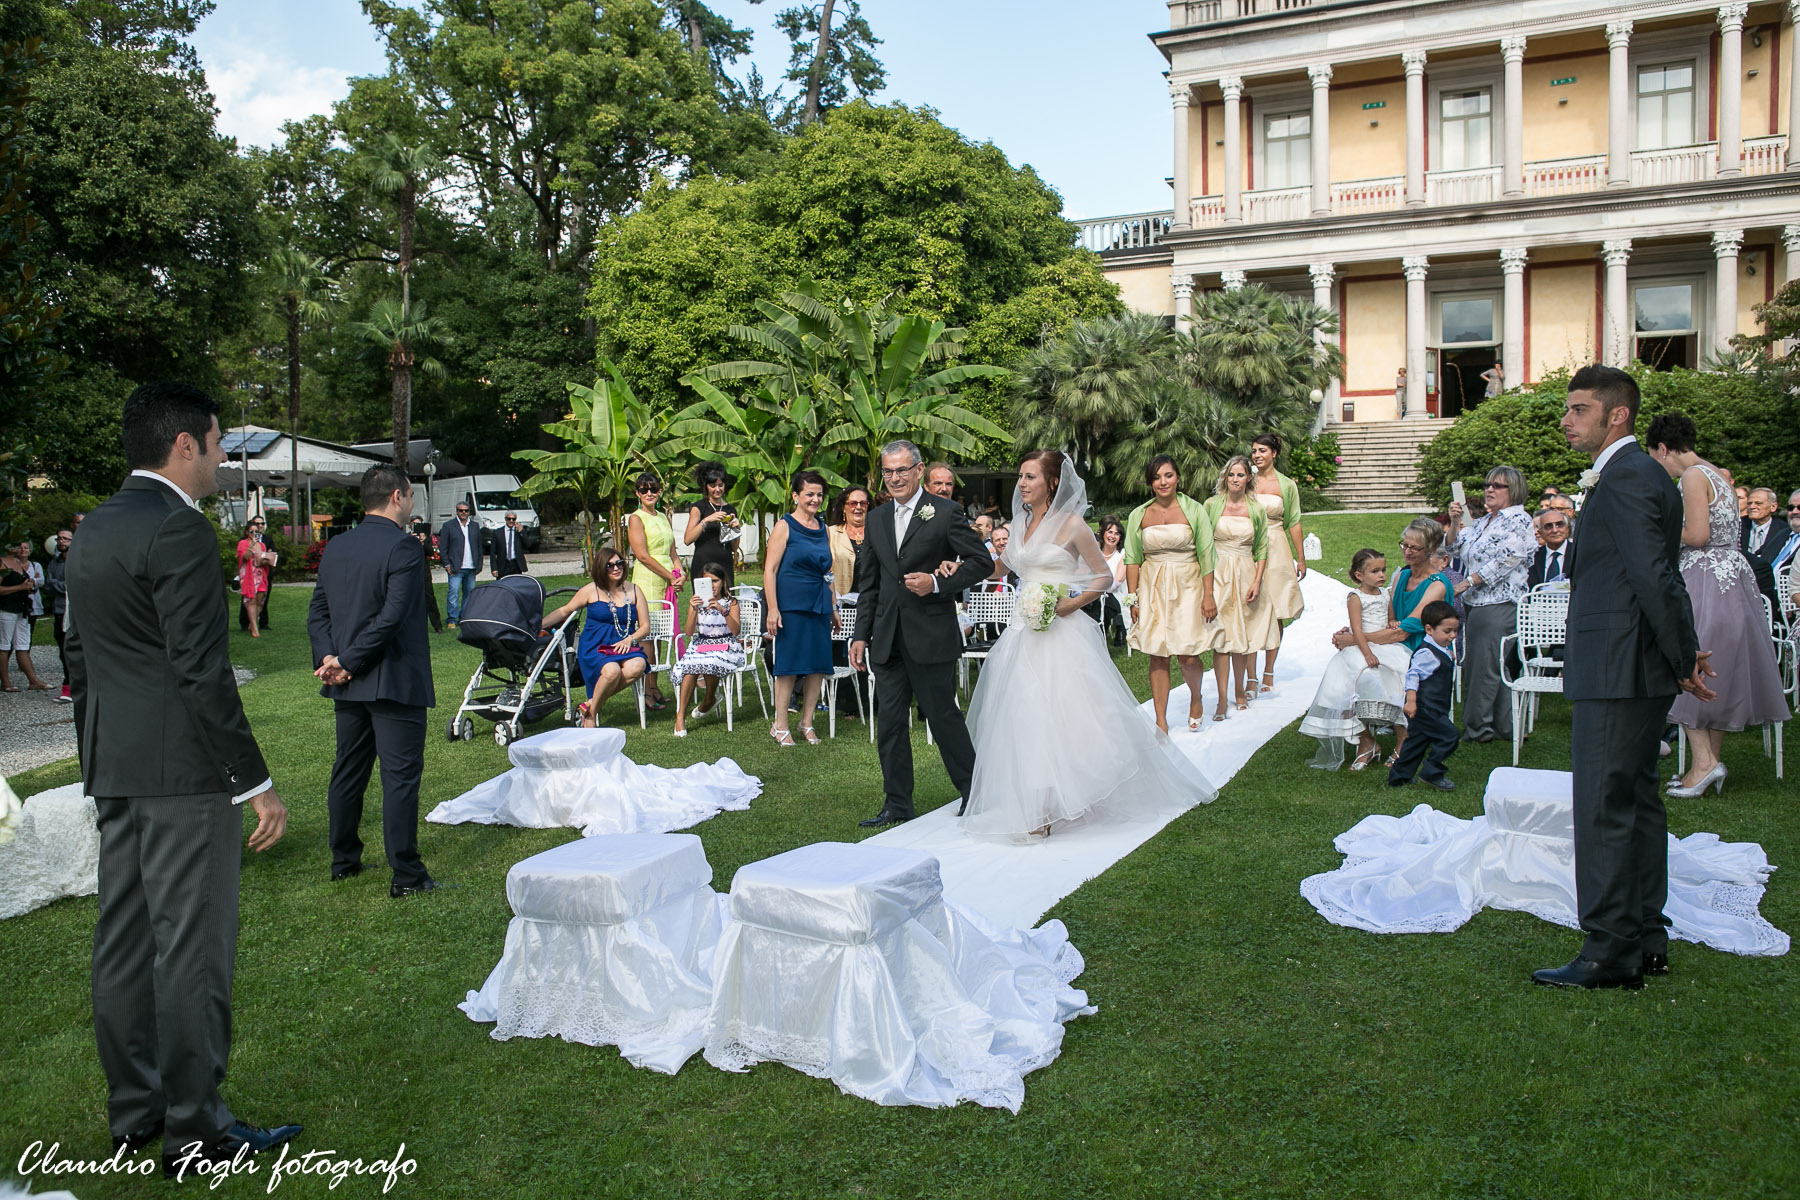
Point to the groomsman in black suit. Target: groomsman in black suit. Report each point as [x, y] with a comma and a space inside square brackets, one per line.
[1631, 649]
[507, 546]
[1763, 538]
[168, 756]
[367, 627]
[906, 625]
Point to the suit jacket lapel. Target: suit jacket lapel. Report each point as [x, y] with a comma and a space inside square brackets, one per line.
[912, 527]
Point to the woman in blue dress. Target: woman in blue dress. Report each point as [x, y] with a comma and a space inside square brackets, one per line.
[799, 613]
[618, 619]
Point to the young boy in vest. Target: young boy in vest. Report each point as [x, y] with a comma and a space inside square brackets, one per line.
[1428, 683]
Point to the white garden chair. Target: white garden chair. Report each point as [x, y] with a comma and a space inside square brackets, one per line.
[660, 647]
[1542, 626]
[988, 615]
[844, 634]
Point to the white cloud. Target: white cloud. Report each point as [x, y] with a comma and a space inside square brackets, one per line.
[256, 91]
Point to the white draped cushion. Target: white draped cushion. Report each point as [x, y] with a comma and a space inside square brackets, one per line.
[836, 891]
[1538, 803]
[607, 880]
[568, 748]
[56, 852]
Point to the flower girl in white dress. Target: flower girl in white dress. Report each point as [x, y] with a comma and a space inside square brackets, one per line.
[1058, 734]
[1365, 685]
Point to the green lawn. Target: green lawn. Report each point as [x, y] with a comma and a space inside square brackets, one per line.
[1244, 1047]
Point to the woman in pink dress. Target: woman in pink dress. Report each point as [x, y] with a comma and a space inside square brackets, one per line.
[255, 560]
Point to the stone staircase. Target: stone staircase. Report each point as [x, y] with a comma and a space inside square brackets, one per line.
[1380, 461]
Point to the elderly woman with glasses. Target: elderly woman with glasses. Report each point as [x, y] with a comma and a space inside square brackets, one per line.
[255, 561]
[846, 523]
[610, 651]
[656, 572]
[1496, 552]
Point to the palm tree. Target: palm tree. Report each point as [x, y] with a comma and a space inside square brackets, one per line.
[398, 169]
[400, 331]
[303, 294]
[1083, 391]
[1265, 351]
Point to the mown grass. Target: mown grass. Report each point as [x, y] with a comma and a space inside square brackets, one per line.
[1244, 1047]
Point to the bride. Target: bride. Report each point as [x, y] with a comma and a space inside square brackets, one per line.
[1058, 735]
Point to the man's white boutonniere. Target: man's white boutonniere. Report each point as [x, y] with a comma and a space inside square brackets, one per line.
[1589, 478]
[927, 513]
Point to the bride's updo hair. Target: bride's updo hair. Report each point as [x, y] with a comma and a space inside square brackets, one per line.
[1050, 463]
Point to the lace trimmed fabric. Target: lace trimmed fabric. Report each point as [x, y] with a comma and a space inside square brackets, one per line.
[56, 852]
[1429, 872]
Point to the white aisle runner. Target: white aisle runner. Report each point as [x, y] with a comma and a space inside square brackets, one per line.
[1014, 886]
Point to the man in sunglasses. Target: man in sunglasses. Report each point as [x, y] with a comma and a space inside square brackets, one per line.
[506, 548]
[460, 547]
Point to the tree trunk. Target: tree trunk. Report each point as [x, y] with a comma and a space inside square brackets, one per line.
[402, 389]
[696, 30]
[408, 211]
[293, 366]
[815, 80]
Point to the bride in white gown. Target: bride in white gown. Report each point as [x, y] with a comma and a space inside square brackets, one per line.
[1058, 734]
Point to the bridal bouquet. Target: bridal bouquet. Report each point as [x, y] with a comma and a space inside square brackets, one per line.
[1037, 604]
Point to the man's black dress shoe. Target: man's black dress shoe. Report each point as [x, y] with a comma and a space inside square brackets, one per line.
[140, 1137]
[1585, 973]
[886, 816]
[338, 873]
[428, 884]
[1656, 964]
[239, 1139]
[1442, 783]
[963, 807]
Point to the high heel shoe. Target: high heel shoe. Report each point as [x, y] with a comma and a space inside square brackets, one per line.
[782, 737]
[1220, 714]
[812, 738]
[1714, 779]
[1267, 686]
[1365, 758]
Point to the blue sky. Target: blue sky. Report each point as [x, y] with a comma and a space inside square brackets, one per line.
[1072, 87]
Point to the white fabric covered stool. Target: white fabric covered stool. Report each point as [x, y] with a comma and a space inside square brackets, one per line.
[55, 853]
[611, 944]
[844, 962]
[580, 778]
[1429, 872]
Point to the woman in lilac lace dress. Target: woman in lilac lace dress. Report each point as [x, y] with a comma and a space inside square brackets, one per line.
[1728, 611]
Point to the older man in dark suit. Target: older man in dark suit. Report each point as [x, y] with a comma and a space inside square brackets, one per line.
[1631, 649]
[1763, 538]
[367, 627]
[507, 548]
[168, 756]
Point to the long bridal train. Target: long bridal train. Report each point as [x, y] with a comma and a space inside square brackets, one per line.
[1429, 872]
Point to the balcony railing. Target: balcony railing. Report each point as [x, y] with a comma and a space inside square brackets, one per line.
[1138, 231]
[1199, 12]
[1474, 186]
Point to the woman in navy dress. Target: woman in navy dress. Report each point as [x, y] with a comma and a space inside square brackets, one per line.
[618, 620]
[797, 593]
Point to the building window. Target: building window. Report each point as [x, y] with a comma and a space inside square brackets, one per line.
[1663, 322]
[1466, 120]
[1665, 106]
[1468, 346]
[1287, 149]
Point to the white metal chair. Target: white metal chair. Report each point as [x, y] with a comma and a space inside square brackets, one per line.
[988, 615]
[844, 634]
[750, 636]
[661, 649]
[1542, 624]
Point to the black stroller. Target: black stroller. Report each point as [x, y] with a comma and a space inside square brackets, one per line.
[526, 670]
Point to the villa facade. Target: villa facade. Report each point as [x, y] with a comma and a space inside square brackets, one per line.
[1534, 183]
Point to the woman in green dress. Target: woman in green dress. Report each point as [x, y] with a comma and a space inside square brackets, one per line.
[655, 571]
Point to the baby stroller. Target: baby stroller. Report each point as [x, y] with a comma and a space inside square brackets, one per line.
[526, 670]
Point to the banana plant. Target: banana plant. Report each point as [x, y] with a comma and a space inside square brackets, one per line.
[763, 441]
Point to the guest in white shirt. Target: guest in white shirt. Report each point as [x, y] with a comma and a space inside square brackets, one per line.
[460, 549]
[1496, 555]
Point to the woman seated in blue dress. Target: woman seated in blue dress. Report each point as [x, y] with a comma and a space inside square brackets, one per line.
[799, 615]
[618, 619]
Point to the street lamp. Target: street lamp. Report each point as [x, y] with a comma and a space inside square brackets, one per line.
[307, 468]
[430, 470]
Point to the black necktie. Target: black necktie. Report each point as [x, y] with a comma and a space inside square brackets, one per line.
[1555, 571]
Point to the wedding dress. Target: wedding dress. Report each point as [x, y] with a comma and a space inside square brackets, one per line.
[1058, 735]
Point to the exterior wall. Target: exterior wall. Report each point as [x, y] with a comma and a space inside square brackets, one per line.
[1562, 310]
[1573, 130]
[1373, 335]
[1780, 79]
[1357, 150]
[1146, 289]
[1752, 290]
[1205, 133]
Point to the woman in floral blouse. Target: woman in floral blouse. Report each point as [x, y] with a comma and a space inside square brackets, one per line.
[1496, 554]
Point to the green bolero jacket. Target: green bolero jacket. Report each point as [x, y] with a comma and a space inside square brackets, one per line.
[1259, 523]
[1198, 521]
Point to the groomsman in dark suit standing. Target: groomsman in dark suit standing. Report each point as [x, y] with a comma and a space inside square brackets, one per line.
[367, 627]
[507, 546]
[1631, 649]
[168, 756]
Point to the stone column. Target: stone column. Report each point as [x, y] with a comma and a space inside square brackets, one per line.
[1793, 44]
[1731, 87]
[1180, 96]
[1512, 174]
[1233, 280]
[1321, 138]
[1414, 61]
[1233, 87]
[1323, 276]
[1184, 300]
[1618, 105]
[1726, 244]
[1415, 268]
[1616, 321]
[1512, 338]
[1790, 242]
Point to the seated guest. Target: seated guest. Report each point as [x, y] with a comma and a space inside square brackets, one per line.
[1106, 611]
[610, 651]
[1764, 540]
[1550, 563]
[1787, 554]
[713, 651]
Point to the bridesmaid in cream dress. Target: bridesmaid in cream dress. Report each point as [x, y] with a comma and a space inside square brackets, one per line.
[1169, 586]
[1280, 498]
[1246, 624]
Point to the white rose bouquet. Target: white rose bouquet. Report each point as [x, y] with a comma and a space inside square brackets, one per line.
[1037, 604]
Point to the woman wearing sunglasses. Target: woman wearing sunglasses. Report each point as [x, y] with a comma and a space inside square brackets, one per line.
[618, 619]
[656, 571]
[255, 561]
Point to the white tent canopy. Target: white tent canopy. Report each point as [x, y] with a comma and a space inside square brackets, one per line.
[270, 455]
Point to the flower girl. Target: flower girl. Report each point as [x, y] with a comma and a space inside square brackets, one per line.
[713, 651]
[1364, 686]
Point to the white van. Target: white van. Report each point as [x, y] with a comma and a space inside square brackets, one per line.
[493, 499]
